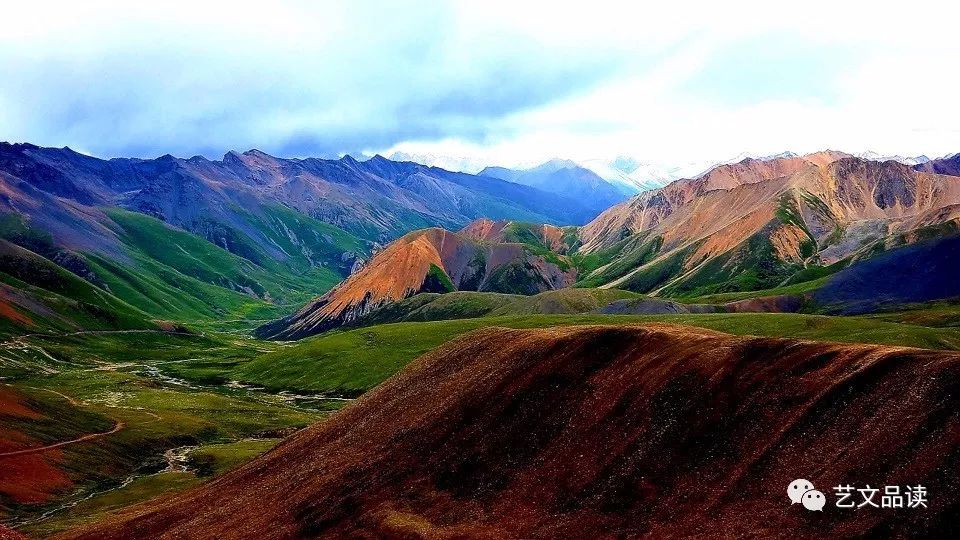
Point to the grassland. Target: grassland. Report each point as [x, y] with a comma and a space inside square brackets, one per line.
[42, 296]
[181, 276]
[352, 362]
[161, 272]
[200, 463]
[176, 391]
[87, 382]
[468, 304]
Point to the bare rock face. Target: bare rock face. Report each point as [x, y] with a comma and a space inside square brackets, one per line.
[601, 432]
[787, 212]
[945, 165]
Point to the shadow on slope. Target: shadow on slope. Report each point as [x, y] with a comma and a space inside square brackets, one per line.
[918, 273]
[601, 432]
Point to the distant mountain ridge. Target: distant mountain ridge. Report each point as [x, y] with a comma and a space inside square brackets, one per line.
[566, 178]
[194, 238]
[946, 165]
[745, 226]
[629, 174]
[376, 199]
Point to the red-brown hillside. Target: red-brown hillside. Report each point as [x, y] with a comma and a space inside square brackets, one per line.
[601, 432]
[429, 260]
[7, 534]
[489, 230]
[25, 478]
[767, 219]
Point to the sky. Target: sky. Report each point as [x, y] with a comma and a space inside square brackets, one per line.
[492, 82]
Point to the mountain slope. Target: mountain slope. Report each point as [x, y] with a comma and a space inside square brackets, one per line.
[945, 165]
[691, 433]
[565, 178]
[754, 224]
[747, 226]
[377, 199]
[252, 232]
[921, 272]
[433, 260]
[37, 295]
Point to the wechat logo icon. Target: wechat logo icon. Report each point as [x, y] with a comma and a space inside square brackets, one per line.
[802, 491]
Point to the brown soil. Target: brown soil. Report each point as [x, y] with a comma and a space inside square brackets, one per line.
[601, 432]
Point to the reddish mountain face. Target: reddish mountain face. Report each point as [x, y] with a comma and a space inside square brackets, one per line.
[601, 432]
[503, 231]
[7, 534]
[25, 478]
[766, 220]
[431, 260]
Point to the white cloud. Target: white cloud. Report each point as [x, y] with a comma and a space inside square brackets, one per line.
[501, 82]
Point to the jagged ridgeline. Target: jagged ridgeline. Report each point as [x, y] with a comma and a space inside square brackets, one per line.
[791, 230]
[247, 237]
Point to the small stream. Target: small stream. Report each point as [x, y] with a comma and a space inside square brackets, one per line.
[176, 459]
[314, 402]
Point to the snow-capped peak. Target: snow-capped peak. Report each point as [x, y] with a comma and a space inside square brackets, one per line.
[875, 156]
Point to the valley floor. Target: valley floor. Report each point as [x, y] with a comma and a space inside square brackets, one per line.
[95, 422]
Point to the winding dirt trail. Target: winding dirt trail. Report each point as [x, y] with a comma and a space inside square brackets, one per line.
[90, 436]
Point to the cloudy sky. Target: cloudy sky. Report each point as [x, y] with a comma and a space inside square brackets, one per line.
[499, 82]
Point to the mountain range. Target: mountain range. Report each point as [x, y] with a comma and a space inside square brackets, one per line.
[532, 352]
[741, 227]
[629, 174]
[92, 243]
[190, 239]
[564, 177]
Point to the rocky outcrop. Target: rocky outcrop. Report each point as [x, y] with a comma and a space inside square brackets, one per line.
[431, 260]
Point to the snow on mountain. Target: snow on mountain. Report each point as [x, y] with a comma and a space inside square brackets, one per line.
[626, 173]
[634, 176]
[450, 163]
[875, 156]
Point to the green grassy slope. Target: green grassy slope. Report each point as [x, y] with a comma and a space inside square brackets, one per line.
[39, 295]
[169, 273]
[87, 383]
[175, 274]
[468, 304]
[355, 361]
[563, 301]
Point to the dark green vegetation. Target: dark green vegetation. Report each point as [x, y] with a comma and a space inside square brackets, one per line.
[181, 276]
[437, 281]
[167, 273]
[174, 431]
